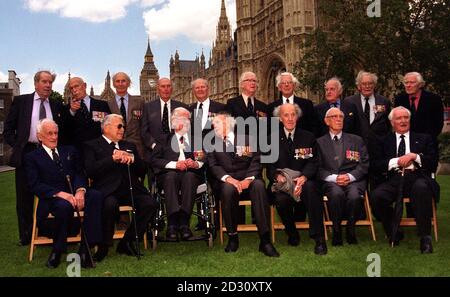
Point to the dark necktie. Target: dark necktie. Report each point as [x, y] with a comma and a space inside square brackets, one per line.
[165, 119]
[401, 147]
[113, 145]
[289, 140]
[56, 159]
[229, 148]
[287, 100]
[335, 138]
[367, 109]
[250, 105]
[413, 105]
[84, 111]
[42, 112]
[123, 110]
[199, 113]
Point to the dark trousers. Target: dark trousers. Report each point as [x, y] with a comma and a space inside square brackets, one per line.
[260, 204]
[417, 188]
[145, 207]
[312, 199]
[180, 188]
[344, 201]
[63, 212]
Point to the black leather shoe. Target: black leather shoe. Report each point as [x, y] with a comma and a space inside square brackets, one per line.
[321, 247]
[127, 248]
[350, 235]
[337, 237]
[54, 260]
[101, 253]
[171, 233]
[85, 261]
[233, 244]
[268, 249]
[397, 239]
[185, 232]
[425, 245]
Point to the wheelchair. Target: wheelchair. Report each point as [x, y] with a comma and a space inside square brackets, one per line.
[206, 212]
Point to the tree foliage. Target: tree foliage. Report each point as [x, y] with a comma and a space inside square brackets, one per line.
[408, 36]
[56, 96]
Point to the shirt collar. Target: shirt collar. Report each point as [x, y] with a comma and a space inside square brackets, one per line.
[339, 135]
[371, 97]
[109, 140]
[230, 137]
[49, 151]
[286, 132]
[397, 135]
[162, 102]
[124, 97]
[37, 97]
[291, 99]
[185, 137]
[205, 103]
[246, 99]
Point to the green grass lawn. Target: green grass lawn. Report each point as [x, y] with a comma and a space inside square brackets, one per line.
[196, 259]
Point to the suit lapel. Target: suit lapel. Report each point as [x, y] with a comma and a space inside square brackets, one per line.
[113, 106]
[28, 112]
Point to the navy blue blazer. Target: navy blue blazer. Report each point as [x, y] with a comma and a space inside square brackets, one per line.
[45, 178]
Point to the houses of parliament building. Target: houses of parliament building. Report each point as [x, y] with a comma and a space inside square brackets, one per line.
[266, 41]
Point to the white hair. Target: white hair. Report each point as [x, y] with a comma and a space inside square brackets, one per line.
[108, 119]
[333, 109]
[362, 73]
[199, 79]
[338, 83]
[298, 110]
[176, 116]
[44, 122]
[293, 78]
[418, 76]
[391, 114]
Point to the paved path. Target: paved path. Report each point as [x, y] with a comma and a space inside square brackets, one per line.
[6, 168]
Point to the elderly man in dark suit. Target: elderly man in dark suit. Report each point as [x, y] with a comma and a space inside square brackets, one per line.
[130, 107]
[203, 111]
[236, 166]
[287, 83]
[86, 114]
[20, 134]
[114, 164]
[50, 169]
[298, 152]
[427, 110]
[333, 92]
[343, 168]
[179, 171]
[415, 154]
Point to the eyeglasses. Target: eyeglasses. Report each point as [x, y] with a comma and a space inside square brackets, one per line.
[250, 80]
[286, 83]
[336, 116]
[368, 84]
[120, 126]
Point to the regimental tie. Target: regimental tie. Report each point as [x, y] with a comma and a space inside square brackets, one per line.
[250, 105]
[199, 116]
[367, 109]
[84, 112]
[165, 120]
[290, 143]
[42, 111]
[123, 110]
[413, 105]
[56, 159]
[229, 148]
[401, 147]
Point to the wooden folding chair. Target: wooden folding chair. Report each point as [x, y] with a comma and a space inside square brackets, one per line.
[367, 222]
[245, 227]
[409, 222]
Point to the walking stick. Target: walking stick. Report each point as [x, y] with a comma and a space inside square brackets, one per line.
[134, 211]
[83, 232]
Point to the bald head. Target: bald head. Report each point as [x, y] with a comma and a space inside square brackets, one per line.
[77, 88]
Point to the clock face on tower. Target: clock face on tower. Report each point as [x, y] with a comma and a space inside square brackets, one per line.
[152, 83]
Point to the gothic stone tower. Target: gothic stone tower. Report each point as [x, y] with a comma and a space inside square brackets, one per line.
[149, 76]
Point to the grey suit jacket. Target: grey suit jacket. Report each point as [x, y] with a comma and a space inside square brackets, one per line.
[353, 160]
[133, 124]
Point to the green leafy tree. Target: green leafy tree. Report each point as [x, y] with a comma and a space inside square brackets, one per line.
[408, 36]
[56, 96]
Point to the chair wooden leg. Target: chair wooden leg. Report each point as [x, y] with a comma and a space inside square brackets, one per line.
[34, 231]
[369, 216]
[434, 218]
[272, 222]
[220, 223]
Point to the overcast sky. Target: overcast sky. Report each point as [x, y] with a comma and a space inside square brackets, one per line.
[89, 37]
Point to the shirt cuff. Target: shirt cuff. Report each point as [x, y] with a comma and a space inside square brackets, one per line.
[200, 164]
[153, 145]
[331, 178]
[352, 178]
[224, 178]
[418, 160]
[250, 178]
[81, 189]
[393, 163]
[171, 165]
[72, 113]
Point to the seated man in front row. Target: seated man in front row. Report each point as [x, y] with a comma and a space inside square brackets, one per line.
[293, 177]
[114, 164]
[236, 167]
[343, 167]
[50, 168]
[415, 154]
[178, 169]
